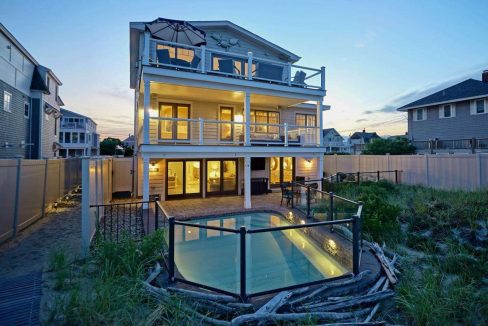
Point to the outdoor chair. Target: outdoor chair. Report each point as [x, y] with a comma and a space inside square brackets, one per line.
[162, 56]
[227, 66]
[313, 194]
[299, 78]
[269, 71]
[195, 61]
[286, 193]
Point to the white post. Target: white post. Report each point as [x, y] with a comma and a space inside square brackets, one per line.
[247, 117]
[145, 53]
[200, 131]
[320, 139]
[322, 78]
[286, 133]
[145, 180]
[247, 182]
[147, 104]
[203, 59]
[249, 65]
[320, 169]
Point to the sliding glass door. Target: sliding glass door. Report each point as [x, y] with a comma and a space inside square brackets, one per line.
[183, 178]
[221, 177]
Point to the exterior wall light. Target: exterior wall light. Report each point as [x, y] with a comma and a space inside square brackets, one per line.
[238, 118]
[153, 167]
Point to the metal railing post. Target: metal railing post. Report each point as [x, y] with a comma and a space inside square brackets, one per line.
[203, 48]
[378, 176]
[242, 232]
[200, 131]
[355, 244]
[156, 215]
[358, 176]
[331, 212]
[249, 66]
[171, 249]
[293, 194]
[286, 133]
[308, 202]
[396, 176]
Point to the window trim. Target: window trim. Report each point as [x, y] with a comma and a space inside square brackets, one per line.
[9, 102]
[424, 114]
[26, 103]
[452, 111]
[473, 108]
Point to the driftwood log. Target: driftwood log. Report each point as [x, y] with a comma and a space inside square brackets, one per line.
[341, 302]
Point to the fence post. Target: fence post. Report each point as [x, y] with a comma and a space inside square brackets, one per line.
[396, 176]
[171, 249]
[242, 232]
[43, 211]
[17, 199]
[69, 175]
[308, 202]
[378, 176]
[355, 245]
[331, 212]
[156, 215]
[357, 177]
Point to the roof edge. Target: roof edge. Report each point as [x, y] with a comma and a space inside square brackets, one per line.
[404, 109]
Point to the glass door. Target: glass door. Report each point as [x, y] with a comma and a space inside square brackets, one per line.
[282, 169]
[172, 129]
[226, 129]
[183, 178]
[221, 177]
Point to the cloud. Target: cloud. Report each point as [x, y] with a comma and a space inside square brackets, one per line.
[368, 38]
[361, 120]
[117, 92]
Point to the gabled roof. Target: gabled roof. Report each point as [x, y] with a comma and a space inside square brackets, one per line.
[366, 136]
[466, 90]
[240, 30]
[68, 113]
[328, 130]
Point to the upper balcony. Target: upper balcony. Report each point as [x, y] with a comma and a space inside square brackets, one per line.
[229, 64]
[73, 125]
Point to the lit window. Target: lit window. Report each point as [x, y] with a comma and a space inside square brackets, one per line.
[308, 120]
[7, 101]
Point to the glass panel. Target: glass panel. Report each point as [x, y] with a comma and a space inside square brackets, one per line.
[311, 120]
[287, 169]
[300, 120]
[192, 182]
[226, 128]
[480, 106]
[261, 117]
[166, 126]
[208, 257]
[213, 176]
[175, 178]
[275, 170]
[230, 176]
[183, 112]
[274, 118]
[253, 120]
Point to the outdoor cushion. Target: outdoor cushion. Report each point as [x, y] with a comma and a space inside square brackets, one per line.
[269, 71]
[226, 65]
[299, 78]
[195, 61]
[162, 56]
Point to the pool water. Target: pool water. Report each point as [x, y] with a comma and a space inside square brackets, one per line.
[274, 259]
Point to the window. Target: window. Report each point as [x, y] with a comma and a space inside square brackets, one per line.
[7, 101]
[82, 137]
[67, 137]
[26, 109]
[308, 120]
[479, 106]
[447, 111]
[61, 135]
[262, 118]
[75, 137]
[419, 114]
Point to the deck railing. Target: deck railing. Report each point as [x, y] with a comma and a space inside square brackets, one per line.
[432, 145]
[218, 132]
[163, 54]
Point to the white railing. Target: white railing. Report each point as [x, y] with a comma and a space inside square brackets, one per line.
[231, 64]
[218, 132]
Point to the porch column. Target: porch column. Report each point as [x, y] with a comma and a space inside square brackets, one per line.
[145, 180]
[320, 121]
[147, 104]
[247, 182]
[320, 169]
[247, 118]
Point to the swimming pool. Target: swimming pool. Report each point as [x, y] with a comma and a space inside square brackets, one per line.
[274, 259]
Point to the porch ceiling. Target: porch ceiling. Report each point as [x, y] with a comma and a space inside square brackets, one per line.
[190, 93]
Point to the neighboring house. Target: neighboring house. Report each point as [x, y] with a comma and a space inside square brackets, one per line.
[216, 118]
[129, 142]
[360, 139]
[454, 119]
[29, 103]
[334, 142]
[78, 135]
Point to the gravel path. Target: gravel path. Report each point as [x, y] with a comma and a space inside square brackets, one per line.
[31, 250]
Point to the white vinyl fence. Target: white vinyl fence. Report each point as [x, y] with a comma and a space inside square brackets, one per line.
[448, 172]
[28, 187]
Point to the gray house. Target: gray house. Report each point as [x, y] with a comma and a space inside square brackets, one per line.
[333, 141]
[360, 139]
[454, 119]
[78, 135]
[29, 103]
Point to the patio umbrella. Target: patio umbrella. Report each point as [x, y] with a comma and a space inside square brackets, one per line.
[178, 31]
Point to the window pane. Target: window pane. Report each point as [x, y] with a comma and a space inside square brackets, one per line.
[175, 178]
[230, 173]
[287, 169]
[182, 127]
[226, 128]
[420, 114]
[274, 118]
[480, 106]
[213, 176]
[82, 137]
[192, 177]
[166, 126]
[447, 111]
[75, 137]
[261, 117]
[311, 120]
[67, 137]
[300, 120]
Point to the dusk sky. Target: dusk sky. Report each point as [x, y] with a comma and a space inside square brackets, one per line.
[378, 55]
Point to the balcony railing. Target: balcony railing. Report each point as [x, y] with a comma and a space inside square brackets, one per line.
[232, 64]
[218, 132]
[72, 125]
[472, 144]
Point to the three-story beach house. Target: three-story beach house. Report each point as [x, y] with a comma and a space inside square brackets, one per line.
[220, 110]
